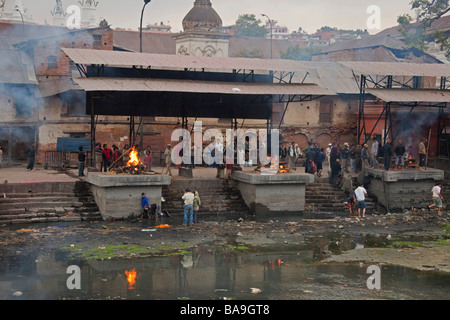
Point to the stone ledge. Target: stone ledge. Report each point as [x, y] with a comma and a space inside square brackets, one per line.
[285, 178]
[105, 180]
[394, 176]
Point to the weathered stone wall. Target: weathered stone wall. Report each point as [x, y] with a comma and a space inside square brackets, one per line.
[397, 190]
[265, 194]
[119, 196]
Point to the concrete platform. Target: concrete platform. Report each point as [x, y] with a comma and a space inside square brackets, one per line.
[396, 189]
[280, 193]
[118, 196]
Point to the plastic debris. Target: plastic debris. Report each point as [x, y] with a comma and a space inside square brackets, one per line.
[255, 290]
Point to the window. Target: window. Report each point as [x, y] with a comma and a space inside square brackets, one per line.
[97, 40]
[52, 62]
[325, 111]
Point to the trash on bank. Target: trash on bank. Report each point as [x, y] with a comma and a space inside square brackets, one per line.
[255, 290]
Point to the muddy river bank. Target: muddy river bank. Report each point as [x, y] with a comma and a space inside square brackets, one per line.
[271, 258]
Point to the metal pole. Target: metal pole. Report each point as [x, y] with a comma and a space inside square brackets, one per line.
[141, 124]
[271, 35]
[146, 2]
[23, 22]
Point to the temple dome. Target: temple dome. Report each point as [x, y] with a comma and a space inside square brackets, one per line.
[202, 17]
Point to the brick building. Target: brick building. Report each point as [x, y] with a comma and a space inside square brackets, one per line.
[37, 98]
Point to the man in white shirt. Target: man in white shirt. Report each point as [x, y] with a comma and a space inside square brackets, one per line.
[360, 195]
[188, 198]
[327, 154]
[437, 197]
[374, 153]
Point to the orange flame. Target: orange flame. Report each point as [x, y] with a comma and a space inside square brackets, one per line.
[134, 158]
[131, 277]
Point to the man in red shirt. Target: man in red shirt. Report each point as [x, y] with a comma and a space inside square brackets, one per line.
[107, 155]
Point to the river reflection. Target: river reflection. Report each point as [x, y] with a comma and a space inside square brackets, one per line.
[218, 272]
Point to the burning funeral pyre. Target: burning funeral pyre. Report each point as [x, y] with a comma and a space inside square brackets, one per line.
[273, 168]
[134, 166]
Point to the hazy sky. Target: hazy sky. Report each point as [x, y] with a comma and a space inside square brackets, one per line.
[308, 14]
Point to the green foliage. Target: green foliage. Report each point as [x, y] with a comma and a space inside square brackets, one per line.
[299, 54]
[405, 244]
[250, 53]
[330, 29]
[248, 26]
[417, 35]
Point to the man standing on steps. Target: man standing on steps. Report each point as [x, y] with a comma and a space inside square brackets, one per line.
[374, 153]
[168, 158]
[188, 198]
[361, 194]
[81, 161]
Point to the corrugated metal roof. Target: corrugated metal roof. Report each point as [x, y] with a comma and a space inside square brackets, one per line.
[366, 42]
[411, 95]
[47, 88]
[398, 68]
[162, 61]
[334, 77]
[189, 86]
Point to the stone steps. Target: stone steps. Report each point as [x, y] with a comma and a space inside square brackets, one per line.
[47, 206]
[323, 201]
[216, 195]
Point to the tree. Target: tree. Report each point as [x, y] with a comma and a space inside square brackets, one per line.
[300, 54]
[248, 26]
[250, 53]
[417, 35]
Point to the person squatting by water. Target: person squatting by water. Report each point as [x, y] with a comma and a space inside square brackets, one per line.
[148, 211]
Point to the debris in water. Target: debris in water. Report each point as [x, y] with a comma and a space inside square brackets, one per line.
[27, 230]
[255, 290]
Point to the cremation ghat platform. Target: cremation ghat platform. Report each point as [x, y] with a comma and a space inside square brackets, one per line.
[396, 189]
[279, 193]
[119, 195]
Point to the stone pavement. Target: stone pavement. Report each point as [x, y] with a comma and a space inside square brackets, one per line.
[19, 174]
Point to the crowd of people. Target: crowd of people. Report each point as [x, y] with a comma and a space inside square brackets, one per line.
[351, 158]
[108, 158]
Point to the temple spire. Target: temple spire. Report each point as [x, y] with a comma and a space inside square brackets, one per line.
[14, 11]
[59, 14]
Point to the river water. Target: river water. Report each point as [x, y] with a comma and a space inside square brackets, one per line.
[216, 272]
